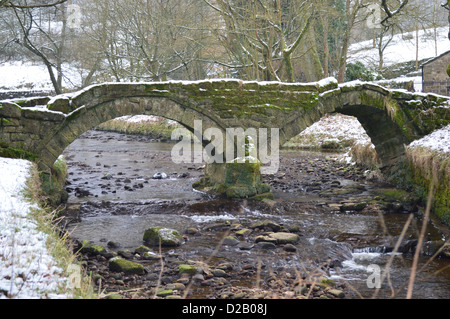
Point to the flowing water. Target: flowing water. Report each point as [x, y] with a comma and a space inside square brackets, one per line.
[111, 185]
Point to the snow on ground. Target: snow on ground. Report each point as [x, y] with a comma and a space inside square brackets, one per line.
[336, 127]
[26, 75]
[402, 48]
[27, 270]
[416, 79]
[438, 141]
[143, 119]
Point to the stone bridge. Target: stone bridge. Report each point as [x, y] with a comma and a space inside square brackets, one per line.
[392, 118]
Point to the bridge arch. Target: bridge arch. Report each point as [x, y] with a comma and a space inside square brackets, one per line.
[382, 119]
[86, 118]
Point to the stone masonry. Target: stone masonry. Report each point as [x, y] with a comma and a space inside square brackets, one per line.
[435, 77]
[392, 118]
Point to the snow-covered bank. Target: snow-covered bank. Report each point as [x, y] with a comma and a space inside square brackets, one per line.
[143, 119]
[402, 48]
[338, 128]
[438, 141]
[27, 270]
[429, 158]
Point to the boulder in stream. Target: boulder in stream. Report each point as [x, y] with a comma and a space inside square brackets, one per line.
[168, 237]
[118, 264]
[160, 176]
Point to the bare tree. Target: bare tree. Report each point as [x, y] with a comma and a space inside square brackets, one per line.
[352, 9]
[262, 37]
[48, 44]
[147, 39]
[25, 5]
[391, 12]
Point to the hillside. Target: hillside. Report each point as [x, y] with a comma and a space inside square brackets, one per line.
[400, 55]
[402, 48]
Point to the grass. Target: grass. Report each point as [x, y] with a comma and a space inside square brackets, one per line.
[319, 142]
[58, 244]
[426, 167]
[365, 156]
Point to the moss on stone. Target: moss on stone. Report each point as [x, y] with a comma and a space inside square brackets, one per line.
[427, 166]
[53, 184]
[398, 116]
[368, 99]
[118, 264]
[113, 295]
[92, 250]
[75, 114]
[189, 269]
[164, 293]
[167, 237]
[233, 179]
[60, 105]
[9, 151]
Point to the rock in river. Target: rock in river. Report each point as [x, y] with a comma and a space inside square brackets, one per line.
[160, 176]
[118, 264]
[168, 237]
[266, 225]
[279, 238]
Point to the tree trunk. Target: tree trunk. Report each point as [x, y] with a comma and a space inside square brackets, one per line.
[343, 60]
[326, 49]
[417, 47]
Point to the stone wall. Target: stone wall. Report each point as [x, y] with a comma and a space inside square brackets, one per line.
[435, 78]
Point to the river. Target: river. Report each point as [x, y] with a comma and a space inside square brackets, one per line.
[113, 198]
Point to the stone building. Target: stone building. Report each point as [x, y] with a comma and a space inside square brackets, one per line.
[434, 75]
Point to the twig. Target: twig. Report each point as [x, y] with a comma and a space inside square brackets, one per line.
[397, 245]
[420, 242]
[161, 272]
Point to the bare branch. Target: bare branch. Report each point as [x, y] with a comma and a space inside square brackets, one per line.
[9, 4]
[390, 14]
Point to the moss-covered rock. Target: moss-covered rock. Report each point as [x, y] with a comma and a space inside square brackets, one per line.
[234, 180]
[91, 250]
[166, 236]
[151, 256]
[118, 264]
[267, 225]
[141, 250]
[189, 269]
[164, 293]
[113, 295]
[285, 238]
[53, 184]
[61, 104]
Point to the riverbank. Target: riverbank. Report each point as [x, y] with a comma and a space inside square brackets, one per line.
[35, 262]
[429, 161]
[153, 127]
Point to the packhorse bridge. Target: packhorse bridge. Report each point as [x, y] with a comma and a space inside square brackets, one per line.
[392, 118]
